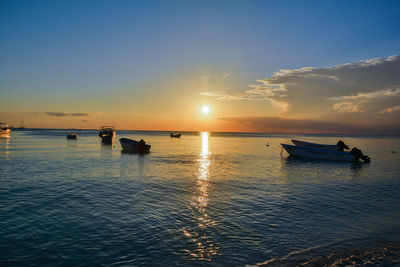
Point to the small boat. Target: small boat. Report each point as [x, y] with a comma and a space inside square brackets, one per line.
[5, 131]
[132, 146]
[175, 135]
[22, 127]
[325, 154]
[72, 136]
[107, 134]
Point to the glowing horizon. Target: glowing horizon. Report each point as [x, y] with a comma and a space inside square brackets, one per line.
[153, 66]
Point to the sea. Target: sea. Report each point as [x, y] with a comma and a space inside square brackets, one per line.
[205, 199]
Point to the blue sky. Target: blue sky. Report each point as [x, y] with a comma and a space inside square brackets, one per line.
[90, 48]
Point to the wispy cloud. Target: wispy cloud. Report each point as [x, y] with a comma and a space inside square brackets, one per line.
[298, 125]
[216, 76]
[61, 114]
[64, 114]
[345, 106]
[371, 95]
[390, 110]
[79, 114]
[56, 114]
[358, 90]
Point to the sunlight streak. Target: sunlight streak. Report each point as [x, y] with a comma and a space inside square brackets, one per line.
[200, 235]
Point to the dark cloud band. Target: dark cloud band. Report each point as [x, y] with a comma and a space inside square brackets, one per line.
[64, 114]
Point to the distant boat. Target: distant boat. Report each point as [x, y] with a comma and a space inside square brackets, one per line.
[22, 127]
[72, 136]
[132, 146]
[107, 134]
[325, 154]
[5, 131]
[175, 135]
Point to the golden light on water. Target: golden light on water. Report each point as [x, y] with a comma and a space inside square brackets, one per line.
[6, 142]
[204, 159]
[205, 247]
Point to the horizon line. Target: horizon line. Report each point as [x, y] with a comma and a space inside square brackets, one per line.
[236, 132]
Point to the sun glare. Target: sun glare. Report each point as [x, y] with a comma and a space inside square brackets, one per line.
[205, 110]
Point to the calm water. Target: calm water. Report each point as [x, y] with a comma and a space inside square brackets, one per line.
[204, 199]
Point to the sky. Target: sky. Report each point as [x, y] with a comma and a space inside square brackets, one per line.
[261, 66]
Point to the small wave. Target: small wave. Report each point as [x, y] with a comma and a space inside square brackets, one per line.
[175, 160]
[343, 253]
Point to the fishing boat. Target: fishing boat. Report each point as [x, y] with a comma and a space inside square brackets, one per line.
[72, 136]
[325, 154]
[107, 134]
[22, 127]
[5, 131]
[132, 146]
[175, 135]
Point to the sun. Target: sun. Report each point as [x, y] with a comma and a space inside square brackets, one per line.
[205, 109]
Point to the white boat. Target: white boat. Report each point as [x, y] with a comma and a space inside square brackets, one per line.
[107, 134]
[5, 131]
[132, 146]
[322, 146]
[319, 153]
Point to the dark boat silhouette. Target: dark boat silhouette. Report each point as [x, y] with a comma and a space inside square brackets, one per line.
[107, 134]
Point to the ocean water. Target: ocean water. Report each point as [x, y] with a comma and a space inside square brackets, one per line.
[204, 199]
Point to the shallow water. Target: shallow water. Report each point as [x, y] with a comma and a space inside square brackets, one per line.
[203, 199]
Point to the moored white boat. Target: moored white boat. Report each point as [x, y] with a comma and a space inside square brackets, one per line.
[319, 153]
[5, 131]
[132, 146]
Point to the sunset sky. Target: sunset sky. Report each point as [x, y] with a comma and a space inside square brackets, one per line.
[260, 66]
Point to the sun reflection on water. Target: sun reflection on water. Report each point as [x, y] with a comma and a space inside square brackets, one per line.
[5, 143]
[201, 234]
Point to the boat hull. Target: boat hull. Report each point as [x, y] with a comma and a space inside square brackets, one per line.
[107, 139]
[132, 146]
[107, 134]
[318, 153]
[72, 136]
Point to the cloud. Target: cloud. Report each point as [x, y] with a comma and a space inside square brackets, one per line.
[63, 114]
[216, 76]
[56, 114]
[390, 110]
[226, 76]
[297, 125]
[371, 95]
[79, 114]
[313, 90]
[361, 91]
[345, 107]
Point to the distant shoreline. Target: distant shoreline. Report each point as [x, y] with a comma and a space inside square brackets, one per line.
[222, 133]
